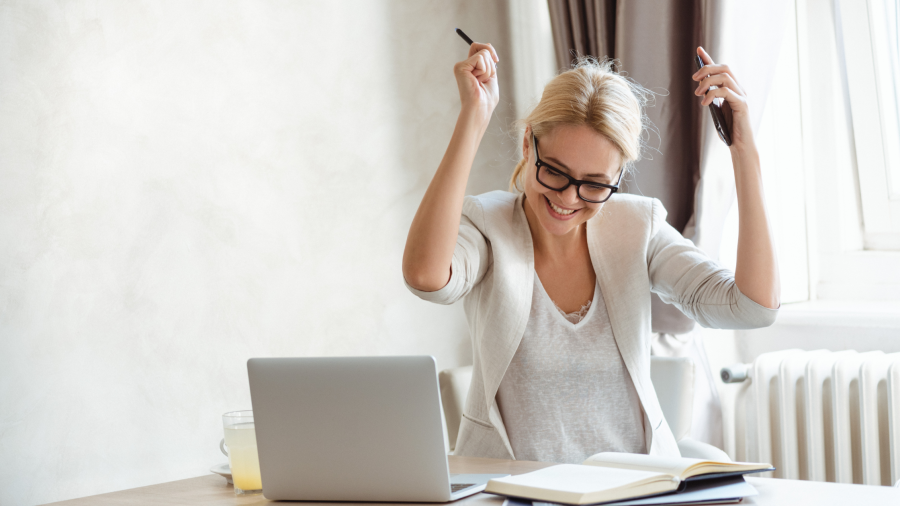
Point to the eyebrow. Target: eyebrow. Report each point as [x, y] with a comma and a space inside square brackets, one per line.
[554, 160]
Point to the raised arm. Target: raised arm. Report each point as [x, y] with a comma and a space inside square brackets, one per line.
[756, 273]
[433, 233]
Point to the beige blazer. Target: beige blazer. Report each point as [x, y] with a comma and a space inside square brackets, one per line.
[633, 251]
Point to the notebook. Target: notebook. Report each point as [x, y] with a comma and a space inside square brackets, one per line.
[722, 491]
[682, 467]
[610, 477]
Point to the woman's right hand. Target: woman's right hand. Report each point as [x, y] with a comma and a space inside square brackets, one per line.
[476, 77]
[428, 256]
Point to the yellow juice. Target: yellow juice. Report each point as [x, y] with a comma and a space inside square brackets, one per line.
[241, 442]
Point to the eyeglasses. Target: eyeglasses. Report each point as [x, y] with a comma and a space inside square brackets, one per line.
[557, 180]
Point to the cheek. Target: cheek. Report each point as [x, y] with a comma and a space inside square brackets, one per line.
[532, 187]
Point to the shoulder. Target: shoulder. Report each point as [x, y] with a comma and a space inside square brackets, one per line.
[492, 206]
[627, 210]
[495, 201]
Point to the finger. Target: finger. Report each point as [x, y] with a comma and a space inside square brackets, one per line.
[737, 102]
[477, 46]
[707, 59]
[478, 68]
[488, 58]
[719, 80]
[485, 65]
[713, 70]
[489, 66]
[493, 51]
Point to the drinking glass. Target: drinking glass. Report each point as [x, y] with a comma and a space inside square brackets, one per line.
[240, 438]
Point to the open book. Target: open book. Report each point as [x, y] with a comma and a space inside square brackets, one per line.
[608, 477]
[681, 467]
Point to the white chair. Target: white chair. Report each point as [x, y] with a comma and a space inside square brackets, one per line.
[673, 379]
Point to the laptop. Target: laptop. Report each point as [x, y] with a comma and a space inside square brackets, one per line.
[353, 429]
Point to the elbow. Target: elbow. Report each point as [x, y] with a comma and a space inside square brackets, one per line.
[771, 302]
[767, 318]
[425, 281]
[757, 315]
[764, 294]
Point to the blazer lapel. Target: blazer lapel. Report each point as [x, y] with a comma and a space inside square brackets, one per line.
[623, 294]
[612, 276]
[518, 268]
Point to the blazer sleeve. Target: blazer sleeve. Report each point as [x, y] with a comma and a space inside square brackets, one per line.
[682, 275]
[470, 261]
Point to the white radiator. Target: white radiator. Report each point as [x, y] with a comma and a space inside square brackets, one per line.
[820, 415]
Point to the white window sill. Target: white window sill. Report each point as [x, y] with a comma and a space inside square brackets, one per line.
[843, 313]
[826, 324]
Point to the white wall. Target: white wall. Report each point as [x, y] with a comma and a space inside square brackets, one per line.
[186, 185]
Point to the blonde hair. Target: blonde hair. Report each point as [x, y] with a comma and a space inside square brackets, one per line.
[592, 93]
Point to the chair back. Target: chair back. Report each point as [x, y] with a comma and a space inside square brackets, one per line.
[454, 385]
[673, 379]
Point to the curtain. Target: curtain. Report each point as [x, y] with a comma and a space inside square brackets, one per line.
[685, 165]
[655, 42]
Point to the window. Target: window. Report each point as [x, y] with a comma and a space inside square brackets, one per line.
[869, 42]
[829, 144]
[779, 139]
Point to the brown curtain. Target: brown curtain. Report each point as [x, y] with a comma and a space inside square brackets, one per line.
[654, 41]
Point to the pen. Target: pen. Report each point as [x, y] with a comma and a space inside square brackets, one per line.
[464, 36]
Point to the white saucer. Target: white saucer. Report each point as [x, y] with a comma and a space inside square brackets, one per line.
[223, 470]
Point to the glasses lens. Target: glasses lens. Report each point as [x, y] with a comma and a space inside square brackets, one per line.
[594, 193]
[552, 178]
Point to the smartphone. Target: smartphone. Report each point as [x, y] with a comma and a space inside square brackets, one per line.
[715, 108]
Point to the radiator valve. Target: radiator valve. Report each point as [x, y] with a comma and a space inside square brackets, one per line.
[735, 373]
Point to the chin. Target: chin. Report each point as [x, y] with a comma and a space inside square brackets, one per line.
[554, 228]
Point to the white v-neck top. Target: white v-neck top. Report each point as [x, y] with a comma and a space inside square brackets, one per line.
[567, 394]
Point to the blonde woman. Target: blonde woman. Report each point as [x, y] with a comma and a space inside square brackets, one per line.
[556, 275]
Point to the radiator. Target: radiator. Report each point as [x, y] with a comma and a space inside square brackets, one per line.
[820, 415]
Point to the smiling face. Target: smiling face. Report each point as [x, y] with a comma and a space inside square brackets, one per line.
[581, 153]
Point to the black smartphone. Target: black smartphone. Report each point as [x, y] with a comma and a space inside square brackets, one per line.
[715, 108]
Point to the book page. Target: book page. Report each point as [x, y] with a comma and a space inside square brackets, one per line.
[573, 483]
[676, 466]
[682, 467]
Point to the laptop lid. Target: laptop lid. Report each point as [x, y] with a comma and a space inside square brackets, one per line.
[349, 428]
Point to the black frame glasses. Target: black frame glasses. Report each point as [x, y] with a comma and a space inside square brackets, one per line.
[570, 180]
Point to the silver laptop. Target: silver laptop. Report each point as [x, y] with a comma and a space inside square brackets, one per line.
[353, 429]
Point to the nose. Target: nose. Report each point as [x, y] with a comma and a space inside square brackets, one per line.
[569, 196]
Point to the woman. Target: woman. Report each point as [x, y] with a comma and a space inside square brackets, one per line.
[557, 278]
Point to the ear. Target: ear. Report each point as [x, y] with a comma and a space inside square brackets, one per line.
[526, 143]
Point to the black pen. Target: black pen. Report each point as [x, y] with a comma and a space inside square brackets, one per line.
[464, 36]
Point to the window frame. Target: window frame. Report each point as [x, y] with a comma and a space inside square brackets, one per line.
[845, 261]
[880, 210]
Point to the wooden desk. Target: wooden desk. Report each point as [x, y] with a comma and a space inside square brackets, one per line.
[213, 490]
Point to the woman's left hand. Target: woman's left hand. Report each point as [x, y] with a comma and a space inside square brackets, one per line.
[737, 114]
[756, 271]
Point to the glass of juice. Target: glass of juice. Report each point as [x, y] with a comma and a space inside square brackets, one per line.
[240, 438]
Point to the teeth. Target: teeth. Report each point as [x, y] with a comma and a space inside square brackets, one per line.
[560, 210]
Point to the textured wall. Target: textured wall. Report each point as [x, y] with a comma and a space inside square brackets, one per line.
[186, 185]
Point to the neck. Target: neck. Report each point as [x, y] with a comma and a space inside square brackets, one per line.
[550, 245]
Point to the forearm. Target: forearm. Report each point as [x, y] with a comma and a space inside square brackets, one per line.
[433, 233]
[756, 273]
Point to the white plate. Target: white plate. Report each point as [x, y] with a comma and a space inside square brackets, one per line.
[222, 470]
